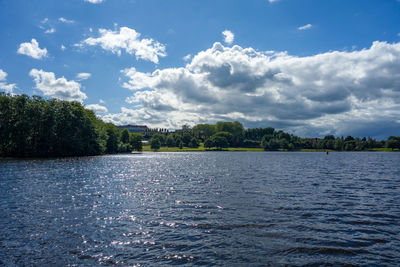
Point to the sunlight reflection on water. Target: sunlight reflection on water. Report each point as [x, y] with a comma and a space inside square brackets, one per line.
[224, 209]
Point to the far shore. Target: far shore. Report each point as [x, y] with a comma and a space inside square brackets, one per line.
[147, 148]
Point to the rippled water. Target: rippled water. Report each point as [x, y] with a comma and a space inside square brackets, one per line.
[212, 209]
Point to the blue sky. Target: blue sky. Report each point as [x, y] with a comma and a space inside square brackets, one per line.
[308, 67]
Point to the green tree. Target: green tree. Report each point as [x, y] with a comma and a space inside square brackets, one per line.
[338, 145]
[136, 142]
[32, 126]
[155, 144]
[271, 145]
[203, 131]
[393, 142]
[227, 135]
[178, 140]
[170, 141]
[125, 138]
[220, 141]
[235, 128]
[194, 143]
[208, 143]
[265, 140]
[161, 137]
[112, 138]
[186, 138]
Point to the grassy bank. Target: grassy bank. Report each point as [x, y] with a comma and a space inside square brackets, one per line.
[200, 148]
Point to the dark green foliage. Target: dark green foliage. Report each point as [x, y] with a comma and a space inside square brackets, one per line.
[208, 143]
[235, 128]
[112, 140]
[186, 138]
[265, 139]
[194, 143]
[180, 145]
[161, 137]
[178, 140]
[220, 141]
[393, 142]
[282, 135]
[272, 145]
[251, 143]
[228, 136]
[125, 138]
[203, 131]
[258, 133]
[136, 142]
[32, 126]
[170, 142]
[155, 143]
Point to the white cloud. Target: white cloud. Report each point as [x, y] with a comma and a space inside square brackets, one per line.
[129, 40]
[8, 88]
[64, 20]
[63, 47]
[304, 27]
[101, 101]
[334, 92]
[50, 31]
[59, 88]
[97, 108]
[46, 26]
[32, 49]
[229, 37]
[83, 76]
[94, 1]
[187, 57]
[273, 1]
[3, 75]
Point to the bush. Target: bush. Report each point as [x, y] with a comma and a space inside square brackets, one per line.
[251, 143]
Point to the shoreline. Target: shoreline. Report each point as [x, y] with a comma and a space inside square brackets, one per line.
[243, 149]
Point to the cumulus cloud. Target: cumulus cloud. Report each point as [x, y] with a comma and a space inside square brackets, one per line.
[83, 76]
[228, 36]
[129, 40]
[8, 88]
[63, 47]
[32, 49]
[94, 1]
[59, 88]
[304, 27]
[64, 20]
[97, 108]
[336, 92]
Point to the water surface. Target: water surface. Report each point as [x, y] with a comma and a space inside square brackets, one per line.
[211, 209]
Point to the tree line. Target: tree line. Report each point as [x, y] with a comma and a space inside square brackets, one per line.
[35, 127]
[232, 134]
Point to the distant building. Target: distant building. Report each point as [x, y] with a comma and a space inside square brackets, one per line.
[142, 129]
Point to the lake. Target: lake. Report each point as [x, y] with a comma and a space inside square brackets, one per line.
[202, 208]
